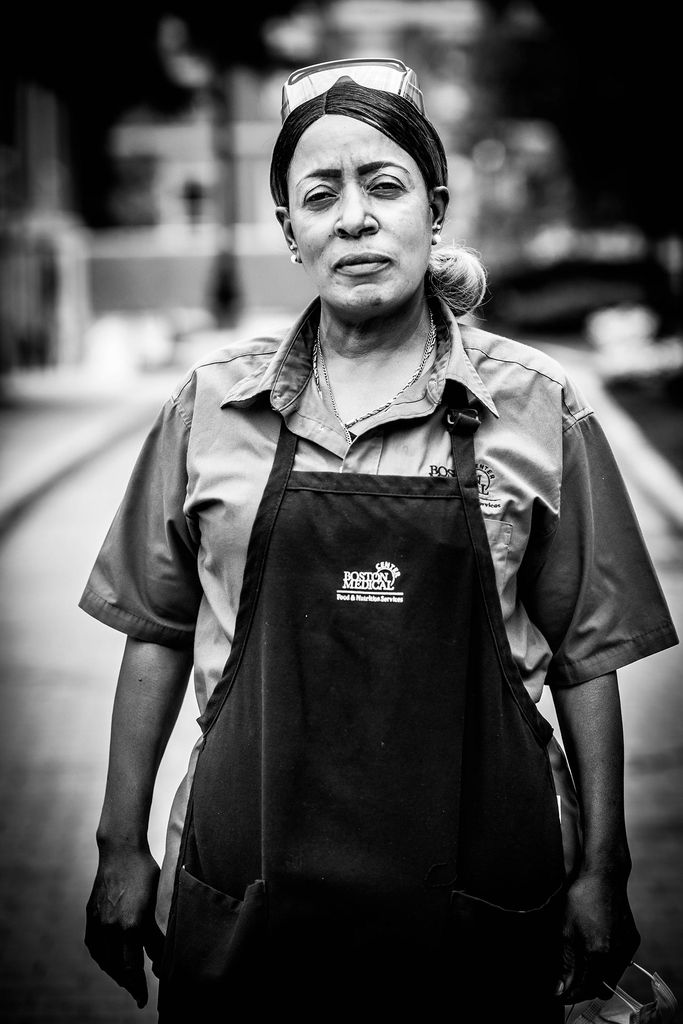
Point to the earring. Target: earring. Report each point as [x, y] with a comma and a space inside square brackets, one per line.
[436, 238]
[294, 257]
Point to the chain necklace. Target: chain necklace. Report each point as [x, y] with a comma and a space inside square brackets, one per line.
[318, 357]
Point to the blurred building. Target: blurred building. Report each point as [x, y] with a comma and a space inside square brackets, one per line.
[191, 236]
[166, 224]
[44, 294]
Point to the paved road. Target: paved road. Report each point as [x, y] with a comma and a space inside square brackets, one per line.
[58, 677]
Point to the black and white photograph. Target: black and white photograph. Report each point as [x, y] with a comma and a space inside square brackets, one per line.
[341, 513]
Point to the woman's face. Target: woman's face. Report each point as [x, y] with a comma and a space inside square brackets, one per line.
[360, 216]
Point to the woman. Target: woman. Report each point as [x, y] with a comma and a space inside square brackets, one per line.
[396, 529]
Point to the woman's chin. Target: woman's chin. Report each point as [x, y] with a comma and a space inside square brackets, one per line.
[366, 298]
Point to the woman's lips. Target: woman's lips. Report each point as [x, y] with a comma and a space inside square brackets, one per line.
[361, 263]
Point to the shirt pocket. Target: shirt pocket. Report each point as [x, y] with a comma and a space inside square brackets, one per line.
[499, 536]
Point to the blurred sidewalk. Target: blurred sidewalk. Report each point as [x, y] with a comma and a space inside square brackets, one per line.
[54, 420]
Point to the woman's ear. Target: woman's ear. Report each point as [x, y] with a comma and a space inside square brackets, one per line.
[285, 222]
[438, 204]
[282, 214]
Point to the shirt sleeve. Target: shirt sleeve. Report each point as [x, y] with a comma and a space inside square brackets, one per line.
[145, 581]
[591, 588]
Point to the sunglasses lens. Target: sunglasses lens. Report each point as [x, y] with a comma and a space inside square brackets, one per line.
[387, 75]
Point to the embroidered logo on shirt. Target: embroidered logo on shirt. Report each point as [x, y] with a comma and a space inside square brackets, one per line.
[485, 477]
[375, 585]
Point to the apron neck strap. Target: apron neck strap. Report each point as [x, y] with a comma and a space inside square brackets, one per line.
[462, 419]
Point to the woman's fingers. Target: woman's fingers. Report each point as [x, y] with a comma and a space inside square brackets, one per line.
[132, 976]
[599, 941]
[119, 953]
[566, 979]
[120, 923]
[154, 945]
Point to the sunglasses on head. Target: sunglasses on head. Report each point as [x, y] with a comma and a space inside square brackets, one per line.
[385, 73]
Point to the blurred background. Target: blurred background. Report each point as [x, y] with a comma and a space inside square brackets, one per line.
[135, 148]
[137, 232]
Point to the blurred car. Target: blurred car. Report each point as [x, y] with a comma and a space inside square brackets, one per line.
[563, 277]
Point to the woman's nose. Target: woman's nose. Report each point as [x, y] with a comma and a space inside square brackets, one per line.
[355, 216]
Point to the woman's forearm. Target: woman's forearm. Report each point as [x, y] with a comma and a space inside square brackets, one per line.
[149, 693]
[589, 717]
[599, 934]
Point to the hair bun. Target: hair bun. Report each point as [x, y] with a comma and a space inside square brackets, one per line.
[457, 275]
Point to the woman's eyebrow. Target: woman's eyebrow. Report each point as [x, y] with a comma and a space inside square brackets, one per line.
[369, 168]
[378, 165]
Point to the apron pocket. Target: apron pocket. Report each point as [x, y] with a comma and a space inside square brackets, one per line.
[215, 934]
[515, 953]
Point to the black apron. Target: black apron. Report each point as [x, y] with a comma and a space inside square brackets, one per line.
[372, 827]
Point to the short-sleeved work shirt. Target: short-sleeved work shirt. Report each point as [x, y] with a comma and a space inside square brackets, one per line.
[578, 591]
[577, 588]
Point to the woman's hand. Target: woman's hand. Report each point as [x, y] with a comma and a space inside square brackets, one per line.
[120, 922]
[120, 925]
[599, 936]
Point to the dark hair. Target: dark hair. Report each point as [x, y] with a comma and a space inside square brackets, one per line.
[455, 273]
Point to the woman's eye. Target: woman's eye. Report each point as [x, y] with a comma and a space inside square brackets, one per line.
[385, 186]
[318, 196]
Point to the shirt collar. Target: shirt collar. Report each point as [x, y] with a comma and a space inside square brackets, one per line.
[289, 370]
[459, 366]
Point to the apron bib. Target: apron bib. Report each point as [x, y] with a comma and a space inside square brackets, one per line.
[372, 813]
